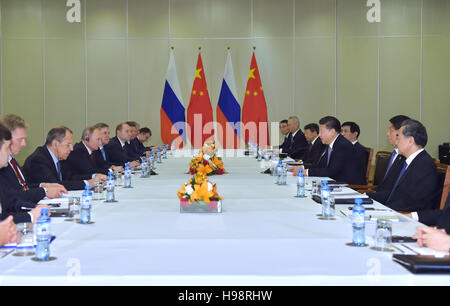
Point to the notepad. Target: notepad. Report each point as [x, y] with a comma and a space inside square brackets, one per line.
[423, 263]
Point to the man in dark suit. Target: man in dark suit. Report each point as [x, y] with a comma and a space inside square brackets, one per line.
[47, 163]
[315, 145]
[297, 145]
[351, 131]
[416, 187]
[118, 151]
[20, 210]
[82, 160]
[131, 144]
[12, 180]
[337, 162]
[138, 142]
[285, 132]
[396, 162]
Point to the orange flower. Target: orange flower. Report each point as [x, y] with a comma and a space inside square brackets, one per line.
[217, 162]
[181, 192]
[202, 193]
[204, 170]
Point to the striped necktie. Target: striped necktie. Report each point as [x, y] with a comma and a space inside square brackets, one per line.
[15, 167]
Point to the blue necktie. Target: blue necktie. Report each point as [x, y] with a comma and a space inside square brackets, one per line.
[329, 155]
[58, 168]
[398, 180]
[103, 153]
[391, 162]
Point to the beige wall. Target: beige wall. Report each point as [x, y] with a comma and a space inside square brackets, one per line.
[316, 57]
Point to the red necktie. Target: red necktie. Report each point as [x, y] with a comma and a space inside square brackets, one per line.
[18, 174]
[91, 157]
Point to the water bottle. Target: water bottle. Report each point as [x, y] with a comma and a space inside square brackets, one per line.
[279, 172]
[110, 189]
[273, 164]
[358, 224]
[86, 205]
[127, 176]
[43, 236]
[284, 175]
[326, 206]
[259, 153]
[300, 184]
[164, 152]
[151, 162]
[158, 154]
[172, 147]
[324, 184]
[144, 167]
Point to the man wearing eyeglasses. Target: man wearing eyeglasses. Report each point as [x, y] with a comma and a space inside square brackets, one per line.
[47, 163]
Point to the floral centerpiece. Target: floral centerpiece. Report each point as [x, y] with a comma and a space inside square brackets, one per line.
[199, 191]
[207, 162]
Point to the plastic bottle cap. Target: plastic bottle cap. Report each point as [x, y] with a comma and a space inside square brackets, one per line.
[87, 187]
[358, 201]
[324, 182]
[44, 211]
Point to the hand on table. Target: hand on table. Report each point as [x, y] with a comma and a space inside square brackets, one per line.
[433, 238]
[8, 232]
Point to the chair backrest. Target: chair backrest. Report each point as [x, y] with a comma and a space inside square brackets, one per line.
[381, 163]
[444, 179]
[369, 162]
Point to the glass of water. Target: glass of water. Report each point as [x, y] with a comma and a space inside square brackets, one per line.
[118, 178]
[98, 191]
[25, 240]
[74, 209]
[328, 207]
[383, 235]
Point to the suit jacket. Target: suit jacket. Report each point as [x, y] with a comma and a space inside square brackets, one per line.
[116, 154]
[285, 145]
[12, 188]
[436, 217]
[39, 167]
[313, 155]
[418, 189]
[361, 158]
[132, 150]
[383, 190]
[342, 166]
[298, 147]
[80, 162]
[12, 206]
[138, 147]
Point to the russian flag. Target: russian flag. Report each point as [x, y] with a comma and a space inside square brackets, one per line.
[173, 119]
[228, 111]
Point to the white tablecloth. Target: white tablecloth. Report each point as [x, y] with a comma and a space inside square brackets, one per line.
[264, 236]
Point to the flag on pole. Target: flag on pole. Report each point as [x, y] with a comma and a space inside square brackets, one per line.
[228, 111]
[172, 112]
[199, 112]
[254, 109]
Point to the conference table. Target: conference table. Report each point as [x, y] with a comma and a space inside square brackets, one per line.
[264, 236]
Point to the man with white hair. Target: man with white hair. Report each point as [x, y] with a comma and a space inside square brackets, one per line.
[297, 146]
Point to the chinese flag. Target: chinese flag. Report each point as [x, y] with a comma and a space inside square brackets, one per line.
[254, 110]
[199, 113]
